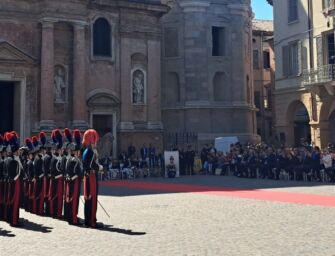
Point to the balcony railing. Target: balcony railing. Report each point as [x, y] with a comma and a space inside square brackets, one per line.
[323, 74]
[328, 6]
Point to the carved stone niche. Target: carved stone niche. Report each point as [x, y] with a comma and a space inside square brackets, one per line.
[60, 84]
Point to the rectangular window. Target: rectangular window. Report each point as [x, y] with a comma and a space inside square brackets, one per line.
[293, 59]
[292, 10]
[266, 59]
[171, 44]
[218, 41]
[291, 62]
[331, 48]
[255, 59]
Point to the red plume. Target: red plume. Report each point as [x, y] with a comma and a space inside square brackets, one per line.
[43, 138]
[35, 141]
[42, 135]
[77, 136]
[9, 136]
[53, 136]
[67, 132]
[29, 143]
[56, 136]
[58, 133]
[91, 137]
[68, 135]
[76, 133]
[15, 135]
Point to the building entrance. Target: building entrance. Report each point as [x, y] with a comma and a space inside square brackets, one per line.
[6, 106]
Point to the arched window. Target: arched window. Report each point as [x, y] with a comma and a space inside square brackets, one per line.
[101, 38]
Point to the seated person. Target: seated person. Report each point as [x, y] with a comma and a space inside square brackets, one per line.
[171, 168]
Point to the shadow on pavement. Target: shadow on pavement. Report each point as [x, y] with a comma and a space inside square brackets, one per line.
[109, 228]
[31, 226]
[6, 233]
[197, 183]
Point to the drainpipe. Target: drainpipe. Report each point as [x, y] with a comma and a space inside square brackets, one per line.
[310, 33]
[262, 112]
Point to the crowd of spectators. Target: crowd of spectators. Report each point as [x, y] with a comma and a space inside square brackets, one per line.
[304, 162]
[133, 162]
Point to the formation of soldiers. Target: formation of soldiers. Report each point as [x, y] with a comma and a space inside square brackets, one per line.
[44, 177]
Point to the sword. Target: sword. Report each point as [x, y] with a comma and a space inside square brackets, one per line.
[100, 206]
[104, 209]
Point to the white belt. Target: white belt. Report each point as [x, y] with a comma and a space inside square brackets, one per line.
[74, 177]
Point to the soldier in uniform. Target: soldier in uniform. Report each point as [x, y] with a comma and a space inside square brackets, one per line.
[64, 158]
[73, 174]
[56, 180]
[47, 173]
[28, 167]
[13, 167]
[38, 178]
[91, 168]
[2, 180]
[5, 178]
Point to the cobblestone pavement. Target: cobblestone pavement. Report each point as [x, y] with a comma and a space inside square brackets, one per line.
[145, 222]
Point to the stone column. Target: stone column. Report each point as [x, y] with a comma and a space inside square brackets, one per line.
[47, 76]
[154, 85]
[79, 81]
[196, 49]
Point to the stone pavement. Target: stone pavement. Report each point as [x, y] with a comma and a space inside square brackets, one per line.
[150, 222]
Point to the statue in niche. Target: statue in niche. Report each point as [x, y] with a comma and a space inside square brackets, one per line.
[138, 87]
[60, 84]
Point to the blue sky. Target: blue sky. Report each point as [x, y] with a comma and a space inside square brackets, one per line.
[262, 9]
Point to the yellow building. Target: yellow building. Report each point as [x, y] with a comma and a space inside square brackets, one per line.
[305, 70]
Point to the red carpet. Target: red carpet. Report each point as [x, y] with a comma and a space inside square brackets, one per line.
[266, 195]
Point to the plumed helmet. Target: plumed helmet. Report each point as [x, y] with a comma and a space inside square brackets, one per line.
[68, 135]
[57, 138]
[43, 138]
[2, 143]
[77, 139]
[35, 141]
[5, 141]
[90, 137]
[12, 139]
[29, 144]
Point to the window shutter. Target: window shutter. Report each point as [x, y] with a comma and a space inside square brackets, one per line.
[285, 60]
[299, 62]
[319, 47]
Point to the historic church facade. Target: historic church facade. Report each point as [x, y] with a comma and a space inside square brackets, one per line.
[85, 63]
[82, 63]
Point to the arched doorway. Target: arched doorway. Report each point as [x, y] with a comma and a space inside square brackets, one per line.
[104, 109]
[299, 120]
[302, 129]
